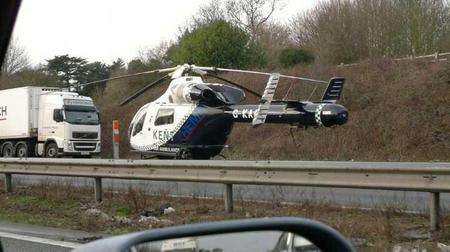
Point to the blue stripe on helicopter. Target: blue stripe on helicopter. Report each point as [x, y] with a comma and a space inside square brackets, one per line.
[187, 128]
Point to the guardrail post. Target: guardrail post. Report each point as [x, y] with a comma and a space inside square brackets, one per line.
[116, 139]
[228, 198]
[435, 208]
[98, 190]
[8, 182]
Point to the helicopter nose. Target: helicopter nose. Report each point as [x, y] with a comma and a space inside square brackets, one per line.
[334, 114]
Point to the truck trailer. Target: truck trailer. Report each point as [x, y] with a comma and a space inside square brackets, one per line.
[47, 122]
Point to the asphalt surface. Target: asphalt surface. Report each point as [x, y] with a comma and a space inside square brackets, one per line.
[22, 237]
[411, 201]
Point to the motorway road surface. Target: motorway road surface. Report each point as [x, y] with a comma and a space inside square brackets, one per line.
[412, 201]
[24, 237]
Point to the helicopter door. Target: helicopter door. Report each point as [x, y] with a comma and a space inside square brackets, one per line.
[164, 125]
[165, 116]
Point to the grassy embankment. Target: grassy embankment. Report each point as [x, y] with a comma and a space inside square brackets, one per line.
[399, 111]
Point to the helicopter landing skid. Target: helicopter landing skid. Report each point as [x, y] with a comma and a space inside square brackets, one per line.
[184, 152]
[158, 154]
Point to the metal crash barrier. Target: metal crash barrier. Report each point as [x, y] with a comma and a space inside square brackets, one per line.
[422, 177]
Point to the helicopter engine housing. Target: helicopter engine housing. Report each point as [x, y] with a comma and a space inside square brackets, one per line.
[203, 93]
[195, 93]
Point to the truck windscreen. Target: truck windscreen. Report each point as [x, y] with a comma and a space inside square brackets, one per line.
[82, 117]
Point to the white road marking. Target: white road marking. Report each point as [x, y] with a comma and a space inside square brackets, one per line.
[39, 240]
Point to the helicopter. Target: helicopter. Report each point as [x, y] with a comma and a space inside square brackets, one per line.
[193, 118]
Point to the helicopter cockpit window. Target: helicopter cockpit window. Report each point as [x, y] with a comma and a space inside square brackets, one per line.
[165, 116]
[139, 125]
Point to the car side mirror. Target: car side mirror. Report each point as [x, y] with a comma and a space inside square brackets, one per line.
[58, 115]
[268, 234]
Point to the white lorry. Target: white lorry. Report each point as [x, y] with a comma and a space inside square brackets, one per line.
[47, 122]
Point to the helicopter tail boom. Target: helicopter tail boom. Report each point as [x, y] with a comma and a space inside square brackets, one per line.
[305, 114]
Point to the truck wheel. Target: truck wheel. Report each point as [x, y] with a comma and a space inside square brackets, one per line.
[8, 150]
[51, 150]
[22, 150]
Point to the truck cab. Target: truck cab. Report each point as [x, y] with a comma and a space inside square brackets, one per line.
[47, 122]
[69, 125]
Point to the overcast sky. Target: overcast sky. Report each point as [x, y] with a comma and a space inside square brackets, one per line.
[107, 29]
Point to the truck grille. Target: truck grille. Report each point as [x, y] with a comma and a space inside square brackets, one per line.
[85, 135]
[85, 146]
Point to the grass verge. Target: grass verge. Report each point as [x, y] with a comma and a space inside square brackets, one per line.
[66, 206]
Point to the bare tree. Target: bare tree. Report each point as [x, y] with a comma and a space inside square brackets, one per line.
[157, 56]
[209, 13]
[16, 59]
[426, 23]
[251, 15]
[344, 31]
[273, 40]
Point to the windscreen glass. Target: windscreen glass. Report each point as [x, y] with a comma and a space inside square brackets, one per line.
[139, 125]
[82, 117]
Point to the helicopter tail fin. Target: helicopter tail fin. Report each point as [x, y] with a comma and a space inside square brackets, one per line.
[333, 92]
[266, 100]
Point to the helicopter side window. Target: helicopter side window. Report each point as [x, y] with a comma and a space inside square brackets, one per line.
[139, 125]
[165, 116]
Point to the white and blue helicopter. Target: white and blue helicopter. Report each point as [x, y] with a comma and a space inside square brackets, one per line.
[193, 118]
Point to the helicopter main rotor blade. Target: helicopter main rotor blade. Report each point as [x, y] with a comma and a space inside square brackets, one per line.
[144, 89]
[235, 84]
[165, 70]
[225, 70]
